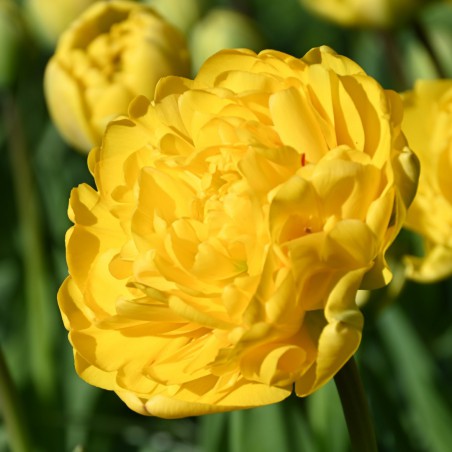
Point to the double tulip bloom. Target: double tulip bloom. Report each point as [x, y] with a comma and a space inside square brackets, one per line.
[113, 52]
[216, 264]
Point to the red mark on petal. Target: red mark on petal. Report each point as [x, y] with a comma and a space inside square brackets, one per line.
[303, 159]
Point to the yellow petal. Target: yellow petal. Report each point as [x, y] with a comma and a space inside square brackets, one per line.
[296, 123]
[72, 120]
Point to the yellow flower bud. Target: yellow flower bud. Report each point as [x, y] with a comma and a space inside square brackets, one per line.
[181, 13]
[364, 13]
[217, 264]
[428, 126]
[115, 51]
[222, 29]
[49, 18]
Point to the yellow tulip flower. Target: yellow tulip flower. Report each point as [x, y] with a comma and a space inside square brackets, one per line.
[236, 215]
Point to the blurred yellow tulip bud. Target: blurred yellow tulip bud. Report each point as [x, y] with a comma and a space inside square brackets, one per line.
[49, 18]
[222, 29]
[364, 13]
[180, 13]
[11, 33]
[115, 51]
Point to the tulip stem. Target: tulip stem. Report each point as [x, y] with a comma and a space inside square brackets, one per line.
[10, 410]
[356, 409]
[392, 50]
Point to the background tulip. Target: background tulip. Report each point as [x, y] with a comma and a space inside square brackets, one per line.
[364, 13]
[222, 29]
[113, 52]
[428, 124]
[181, 13]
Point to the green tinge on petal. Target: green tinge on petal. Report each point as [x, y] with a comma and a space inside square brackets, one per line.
[406, 171]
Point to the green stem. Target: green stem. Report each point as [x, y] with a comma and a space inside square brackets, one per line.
[10, 409]
[356, 409]
[396, 64]
[236, 433]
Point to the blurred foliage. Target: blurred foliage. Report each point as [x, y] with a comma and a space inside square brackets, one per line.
[406, 354]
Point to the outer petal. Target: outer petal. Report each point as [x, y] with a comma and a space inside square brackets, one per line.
[72, 120]
[341, 336]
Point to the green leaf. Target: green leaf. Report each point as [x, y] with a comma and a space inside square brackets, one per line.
[212, 431]
[416, 374]
[280, 427]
